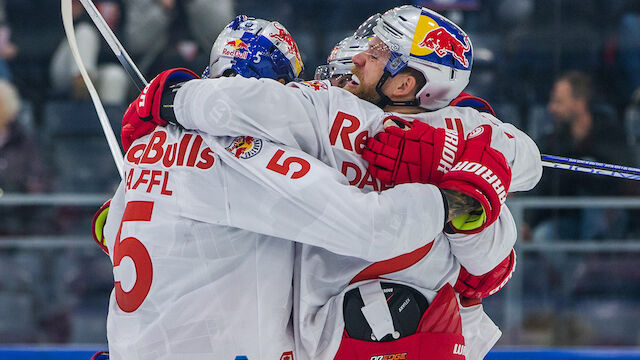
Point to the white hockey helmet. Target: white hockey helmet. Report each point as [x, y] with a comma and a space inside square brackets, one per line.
[339, 61]
[430, 43]
[253, 47]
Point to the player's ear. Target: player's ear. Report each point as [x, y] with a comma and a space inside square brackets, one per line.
[282, 81]
[405, 85]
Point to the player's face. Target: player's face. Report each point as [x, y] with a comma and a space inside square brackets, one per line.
[368, 67]
[562, 104]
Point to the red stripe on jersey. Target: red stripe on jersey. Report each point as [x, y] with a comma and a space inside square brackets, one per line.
[395, 264]
[457, 127]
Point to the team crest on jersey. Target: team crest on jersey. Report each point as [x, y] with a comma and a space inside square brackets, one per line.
[245, 147]
[316, 85]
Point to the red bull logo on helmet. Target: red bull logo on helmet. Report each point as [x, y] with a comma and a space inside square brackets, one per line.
[236, 48]
[436, 39]
[285, 37]
[333, 54]
[442, 42]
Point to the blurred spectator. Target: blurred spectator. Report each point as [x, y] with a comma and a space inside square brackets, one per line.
[22, 169]
[110, 79]
[21, 163]
[170, 33]
[8, 50]
[585, 130]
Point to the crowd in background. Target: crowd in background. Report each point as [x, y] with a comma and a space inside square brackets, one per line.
[565, 71]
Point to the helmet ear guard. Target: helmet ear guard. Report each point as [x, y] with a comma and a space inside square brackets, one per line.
[443, 85]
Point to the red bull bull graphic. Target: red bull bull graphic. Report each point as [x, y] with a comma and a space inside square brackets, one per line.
[236, 48]
[436, 39]
[245, 147]
[442, 42]
[284, 36]
[333, 54]
[316, 85]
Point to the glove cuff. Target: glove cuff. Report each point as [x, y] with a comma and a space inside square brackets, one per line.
[469, 223]
[166, 103]
[97, 226]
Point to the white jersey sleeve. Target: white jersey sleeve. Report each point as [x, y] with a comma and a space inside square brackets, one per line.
[294, 196]
[300, 116]
[522, 154]
[263, 108]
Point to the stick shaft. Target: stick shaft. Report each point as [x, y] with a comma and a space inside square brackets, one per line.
[590, 164]
[553, 161]
[591, 170]
[67, 20]
[117, 48]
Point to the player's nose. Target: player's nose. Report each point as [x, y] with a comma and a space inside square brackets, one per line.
[359, 59]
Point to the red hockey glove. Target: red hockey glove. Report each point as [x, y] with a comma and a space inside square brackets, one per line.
[481, 286]
[143, 114]
[482, 173]
[421, 154]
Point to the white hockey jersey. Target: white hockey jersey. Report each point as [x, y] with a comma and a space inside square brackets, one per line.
[332, 124]
[200, 270]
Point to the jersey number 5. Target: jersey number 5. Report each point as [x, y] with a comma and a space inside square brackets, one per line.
[286, 165]
[129, 301]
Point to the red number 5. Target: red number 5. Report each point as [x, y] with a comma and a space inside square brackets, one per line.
[134, 249]
[286, 165]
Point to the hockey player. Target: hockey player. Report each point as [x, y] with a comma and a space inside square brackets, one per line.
[332, 125]
[188, 280]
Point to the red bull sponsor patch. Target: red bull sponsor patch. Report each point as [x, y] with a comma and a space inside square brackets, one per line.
[236, 48]
[245, 147]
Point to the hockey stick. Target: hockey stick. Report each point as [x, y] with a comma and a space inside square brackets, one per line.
[67, 20]
[117, 48]
[130, 67]
[591, 167]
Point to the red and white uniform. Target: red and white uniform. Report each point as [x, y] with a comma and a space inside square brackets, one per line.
[332, 125]
[200, 268]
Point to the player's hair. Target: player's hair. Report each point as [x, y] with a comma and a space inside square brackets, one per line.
[420, 80]
[580, 83]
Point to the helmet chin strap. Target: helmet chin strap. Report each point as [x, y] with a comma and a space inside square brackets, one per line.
[384, 99]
